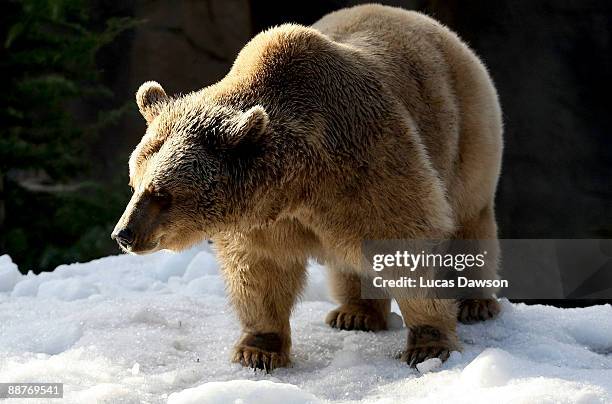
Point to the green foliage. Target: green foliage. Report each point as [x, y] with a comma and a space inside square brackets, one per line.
[51, 63]
[52, 229]
[50, 73]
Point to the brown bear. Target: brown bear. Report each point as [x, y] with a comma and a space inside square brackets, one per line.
[374, 123]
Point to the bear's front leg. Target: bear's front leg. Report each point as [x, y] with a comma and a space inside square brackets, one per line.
[431, 327]
[263, 291]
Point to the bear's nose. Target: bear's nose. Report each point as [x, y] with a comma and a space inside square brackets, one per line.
[125, 237]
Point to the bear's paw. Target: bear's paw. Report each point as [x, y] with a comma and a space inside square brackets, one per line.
[475, 310]
[426, 342]
[261, 351]
[356, 317]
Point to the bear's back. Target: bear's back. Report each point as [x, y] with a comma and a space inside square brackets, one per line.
[444, 88]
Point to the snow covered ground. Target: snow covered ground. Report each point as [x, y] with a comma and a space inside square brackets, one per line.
[158, 328]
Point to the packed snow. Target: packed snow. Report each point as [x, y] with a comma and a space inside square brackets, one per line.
[159, 329]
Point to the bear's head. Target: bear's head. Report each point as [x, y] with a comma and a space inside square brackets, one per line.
[194, 172]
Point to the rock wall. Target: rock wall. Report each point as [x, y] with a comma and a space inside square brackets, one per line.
[185, 45]
[552, 64]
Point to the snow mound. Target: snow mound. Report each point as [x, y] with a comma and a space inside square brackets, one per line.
[159, 329]
[202, 264]
[67, 289]
[493, 367]
[9, 274]
[243, 392]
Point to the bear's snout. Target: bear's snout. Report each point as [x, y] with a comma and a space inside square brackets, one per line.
[140, 228]
[124, 237]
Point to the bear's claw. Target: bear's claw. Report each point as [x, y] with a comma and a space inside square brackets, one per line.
[426, 342]
[265, 351]
[354, 317]
[257, 359]
[475, 310]
[415, 356]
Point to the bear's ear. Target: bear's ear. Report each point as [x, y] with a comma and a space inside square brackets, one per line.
[150, 98]
[250, 124]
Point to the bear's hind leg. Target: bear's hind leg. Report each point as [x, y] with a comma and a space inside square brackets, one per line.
[482, 229]
[355, 313]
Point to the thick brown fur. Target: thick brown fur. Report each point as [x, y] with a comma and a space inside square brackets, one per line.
[374, 123]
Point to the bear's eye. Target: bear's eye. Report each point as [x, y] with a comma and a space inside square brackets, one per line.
[162, 197]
